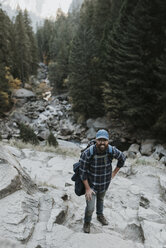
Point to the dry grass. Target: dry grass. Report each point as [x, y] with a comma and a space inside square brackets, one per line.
[46, 184]
[61, 150]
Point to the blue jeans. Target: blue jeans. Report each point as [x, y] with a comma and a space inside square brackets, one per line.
[90, 206]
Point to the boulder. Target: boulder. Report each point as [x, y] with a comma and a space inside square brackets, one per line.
[148, 214]
[99, 123]
[134, 148]
[154, 234]
[8, 243]
[163, 160]
[130, 154]
[159, 149]
[26, 183]
[23, 96]
[43, 135]
[159, 152]
[23, 93]
[13, 150]
[133, 151]
[18, 216]
[66, 238]
[162, 181]
[66, 127]
[91, 133]
[20, 117]
[147, 147]
[89, 123]
[9, 179]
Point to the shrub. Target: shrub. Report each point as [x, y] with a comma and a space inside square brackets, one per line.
[5, 103]
[52, 140]
[27, 134]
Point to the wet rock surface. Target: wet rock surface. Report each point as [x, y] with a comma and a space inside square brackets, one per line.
[44, 117]
[51, 215]
[56, 116]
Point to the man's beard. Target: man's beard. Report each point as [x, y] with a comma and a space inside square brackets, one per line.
[102, 148]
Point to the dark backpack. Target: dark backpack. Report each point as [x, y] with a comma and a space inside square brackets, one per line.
[79, 187]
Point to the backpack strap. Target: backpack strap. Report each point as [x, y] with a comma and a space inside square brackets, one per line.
[110, 149]
[91, 150]
[110, 152]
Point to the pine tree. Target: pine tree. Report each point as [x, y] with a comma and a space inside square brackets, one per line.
[59, 52]
[4, 91]
[142, 85]
[130, 57]
[160, 124]
[160, 72]
[88, 71]
[39, 39]
[117, 52]
[85, 89]
[33, 44]
[6, 60]
[43, 36]
[6, 51]
[22, 49]
[102, 15]
[115, 8]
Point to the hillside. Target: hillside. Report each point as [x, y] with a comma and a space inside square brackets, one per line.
[40, 209]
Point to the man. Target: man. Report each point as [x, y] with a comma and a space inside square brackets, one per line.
[96, 173]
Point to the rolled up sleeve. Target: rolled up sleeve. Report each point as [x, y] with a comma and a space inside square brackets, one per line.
[84, 164]
[119, 156]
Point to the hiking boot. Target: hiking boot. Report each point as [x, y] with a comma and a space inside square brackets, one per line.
[86, 227]
[102, 220]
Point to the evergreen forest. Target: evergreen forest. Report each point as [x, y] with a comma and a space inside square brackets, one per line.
[110, 57]
[18, 55]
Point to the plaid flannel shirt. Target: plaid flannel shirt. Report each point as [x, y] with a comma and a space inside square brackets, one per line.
[97, 169]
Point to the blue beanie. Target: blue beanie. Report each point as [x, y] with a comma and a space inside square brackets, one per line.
[102, 134]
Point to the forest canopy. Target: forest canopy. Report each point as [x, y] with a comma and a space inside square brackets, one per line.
[18, 55]
[109, 56]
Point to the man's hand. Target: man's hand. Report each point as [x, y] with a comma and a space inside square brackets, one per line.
[88, 190]
[115, 171]
[88, 194]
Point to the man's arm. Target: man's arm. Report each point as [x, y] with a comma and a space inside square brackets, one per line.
[115, 171]
[84, 164]
[88, 190]
[121, 160]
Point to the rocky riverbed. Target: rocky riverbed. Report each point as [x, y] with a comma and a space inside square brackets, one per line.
[56, 116]
[40, 209]
[46, 113]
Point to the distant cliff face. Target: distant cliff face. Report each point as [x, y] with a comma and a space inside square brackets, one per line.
[75, 5]
[38, 9]
[34, 6]
[41, 8]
